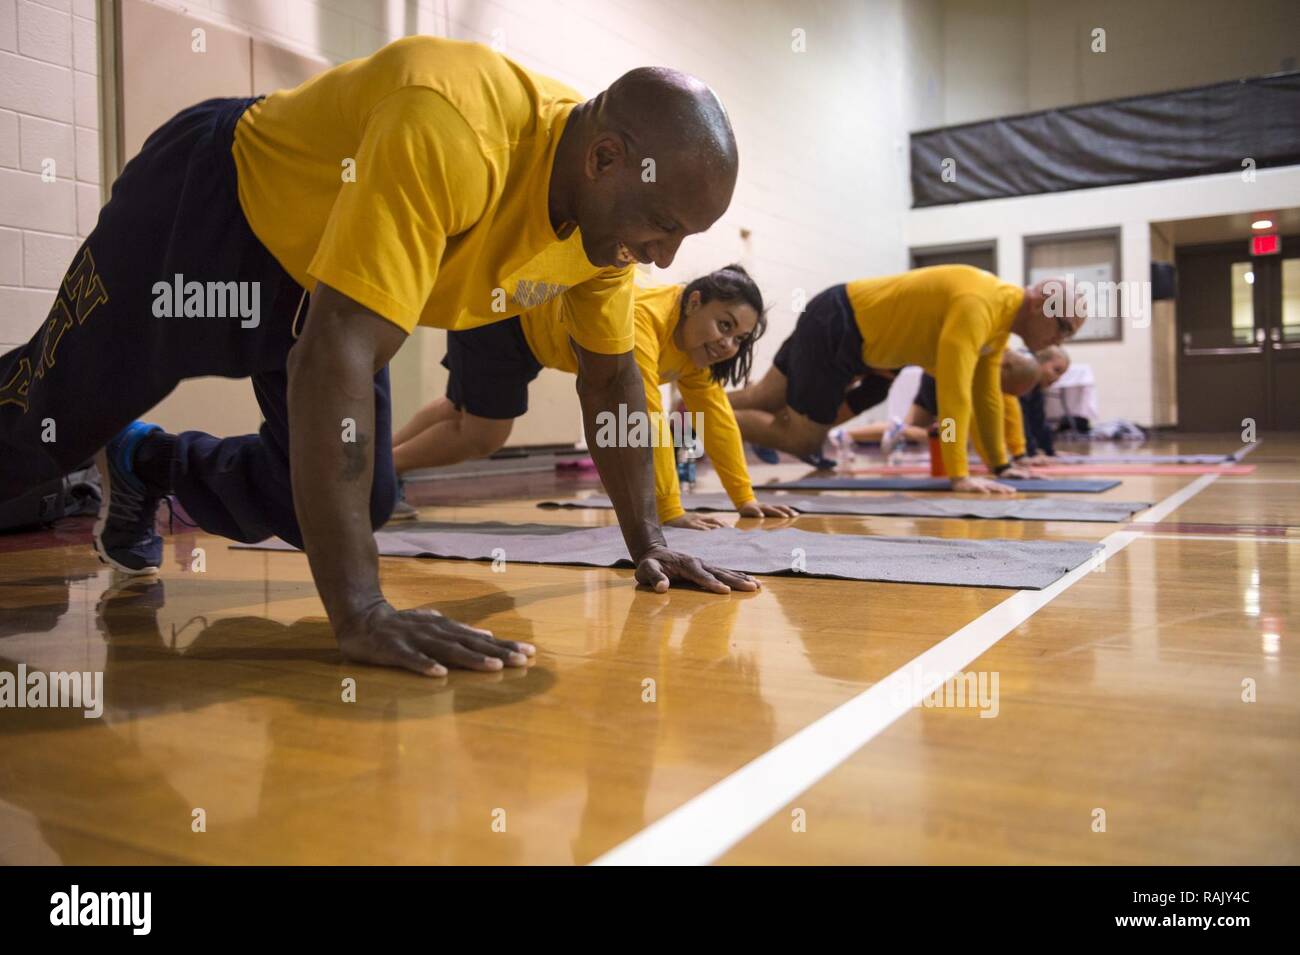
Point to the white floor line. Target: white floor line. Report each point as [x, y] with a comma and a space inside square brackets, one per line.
[1241, 479]
[704, 828]
[1223, 538]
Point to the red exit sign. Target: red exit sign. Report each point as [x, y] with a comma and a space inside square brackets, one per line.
[1265, 244]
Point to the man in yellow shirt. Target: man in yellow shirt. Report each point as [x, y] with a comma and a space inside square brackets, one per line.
[700, 336]
[952, 320]
[297, 240]
[1019, 375]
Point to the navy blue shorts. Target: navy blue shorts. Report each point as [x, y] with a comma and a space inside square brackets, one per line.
[822, 358]
[926, 396]
[491, 368]
[105, 355]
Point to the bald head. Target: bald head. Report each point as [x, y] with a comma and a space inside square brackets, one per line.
[1019, 372]
[669, 113]
[644, 164]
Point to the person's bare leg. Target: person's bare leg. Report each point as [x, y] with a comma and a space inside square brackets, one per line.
[461, 438]
[915, 427]
[870, 433]
[786, 430]
[436, 411]
[767, 394]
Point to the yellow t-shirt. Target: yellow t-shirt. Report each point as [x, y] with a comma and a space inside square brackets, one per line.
[416, 182]
[656, 314]
[953, 321]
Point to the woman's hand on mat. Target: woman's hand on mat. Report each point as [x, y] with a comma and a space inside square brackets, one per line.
[427, 642]
[695, 522]
[755, 509]
[660, 567]
[980, 485]
[1016, 472]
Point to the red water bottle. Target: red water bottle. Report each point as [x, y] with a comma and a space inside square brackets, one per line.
[936, 453]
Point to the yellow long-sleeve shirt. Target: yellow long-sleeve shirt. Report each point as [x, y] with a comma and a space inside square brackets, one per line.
[1014, 420]
[1013, 429]
[655, 316]
[953, 321]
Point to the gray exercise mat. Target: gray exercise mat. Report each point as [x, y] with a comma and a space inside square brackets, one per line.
[1061, 485]
[900, 505]
[1021, 565]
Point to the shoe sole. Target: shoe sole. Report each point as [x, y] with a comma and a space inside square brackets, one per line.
[106, 502]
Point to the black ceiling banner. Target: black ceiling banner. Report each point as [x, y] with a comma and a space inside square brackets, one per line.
[1238, 126]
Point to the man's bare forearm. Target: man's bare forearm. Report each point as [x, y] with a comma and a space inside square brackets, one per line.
[626, 472]
[331, 456]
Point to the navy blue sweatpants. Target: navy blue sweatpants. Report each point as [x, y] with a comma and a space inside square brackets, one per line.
[103, 357]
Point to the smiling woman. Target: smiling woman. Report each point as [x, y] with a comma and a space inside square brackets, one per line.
[700, 337]
[722, 315]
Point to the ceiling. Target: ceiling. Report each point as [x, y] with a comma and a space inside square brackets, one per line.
[1227, 228]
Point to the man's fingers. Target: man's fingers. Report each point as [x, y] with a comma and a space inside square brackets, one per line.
[527, 649]
[436, 623]
[410, 658]
[695, 572]
[650, 573]
[495, 648]
[733, 578]
[453, 653]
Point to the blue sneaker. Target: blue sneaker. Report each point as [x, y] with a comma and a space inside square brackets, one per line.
[124, 534]
[766, 455]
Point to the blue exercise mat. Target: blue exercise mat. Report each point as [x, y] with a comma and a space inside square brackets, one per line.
[1063, 485]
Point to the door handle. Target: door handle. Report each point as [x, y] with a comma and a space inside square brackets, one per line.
[1191, 352]
[1286, 346]
[1278, 345]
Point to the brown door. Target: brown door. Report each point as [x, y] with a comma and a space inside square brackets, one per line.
[1238, 337]
[1282, 287]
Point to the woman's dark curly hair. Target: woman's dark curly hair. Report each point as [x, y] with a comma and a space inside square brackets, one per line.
[731, 283]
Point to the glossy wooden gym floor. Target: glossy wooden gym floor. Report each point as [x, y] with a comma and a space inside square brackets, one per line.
[223, 693]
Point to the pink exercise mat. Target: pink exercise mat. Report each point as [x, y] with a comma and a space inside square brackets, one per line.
[1055, 470]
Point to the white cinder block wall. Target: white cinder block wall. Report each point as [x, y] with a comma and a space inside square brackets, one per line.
[49, 152]
[823, 164]
[823, 191]
[823, 187]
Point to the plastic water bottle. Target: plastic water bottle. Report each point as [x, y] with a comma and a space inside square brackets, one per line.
[686, 468]
[843, 443]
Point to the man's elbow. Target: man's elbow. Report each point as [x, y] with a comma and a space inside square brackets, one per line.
[606, 376]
